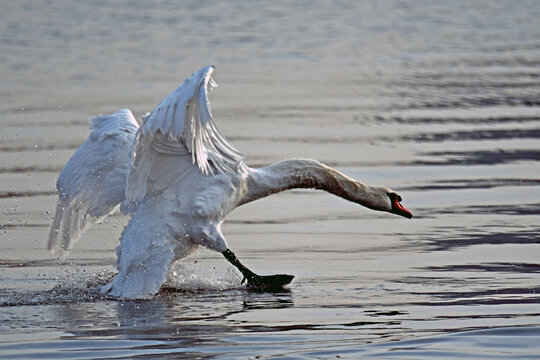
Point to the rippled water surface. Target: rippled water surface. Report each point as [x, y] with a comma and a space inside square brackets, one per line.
[437, 100]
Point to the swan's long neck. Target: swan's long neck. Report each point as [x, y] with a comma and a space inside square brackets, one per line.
[299, 173]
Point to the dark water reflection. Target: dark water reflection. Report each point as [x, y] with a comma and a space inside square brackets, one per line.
[453, 242]
[480, 157]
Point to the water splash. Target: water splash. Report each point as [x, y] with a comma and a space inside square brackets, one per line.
[74, 285]
[77, 284]
[189, 277]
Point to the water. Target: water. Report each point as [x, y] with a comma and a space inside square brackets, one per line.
[436, 100]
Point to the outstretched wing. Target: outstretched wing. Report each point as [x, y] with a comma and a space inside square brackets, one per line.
[184, 116]
[182, 123]
[93, 181]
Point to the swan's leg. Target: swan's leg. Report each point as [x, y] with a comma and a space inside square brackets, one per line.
[257, 281]
[231, 257]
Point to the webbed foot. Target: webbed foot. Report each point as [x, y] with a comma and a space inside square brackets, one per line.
[258, 282]
[267, 281]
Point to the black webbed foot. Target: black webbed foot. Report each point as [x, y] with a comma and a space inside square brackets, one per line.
[267, 281]
[258, 282]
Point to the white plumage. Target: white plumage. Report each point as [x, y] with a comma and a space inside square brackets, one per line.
[93, 181]
[181, 124]
[184, 117]
[178, 178]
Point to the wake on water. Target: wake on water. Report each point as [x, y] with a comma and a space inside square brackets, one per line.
[78, 284]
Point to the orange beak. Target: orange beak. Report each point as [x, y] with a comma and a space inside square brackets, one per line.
[399, 209]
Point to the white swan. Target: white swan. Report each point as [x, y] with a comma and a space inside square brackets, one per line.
[183, 181]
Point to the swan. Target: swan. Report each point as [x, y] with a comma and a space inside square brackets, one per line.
[177, 178]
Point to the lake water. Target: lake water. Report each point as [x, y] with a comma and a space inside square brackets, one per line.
[438, 100]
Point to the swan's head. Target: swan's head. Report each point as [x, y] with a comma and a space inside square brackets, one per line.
[388, 200]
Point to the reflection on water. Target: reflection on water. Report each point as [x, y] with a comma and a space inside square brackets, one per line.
[437, 100]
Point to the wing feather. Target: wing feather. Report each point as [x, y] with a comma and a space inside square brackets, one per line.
[93, 181]
[184, 116]
[180, 124]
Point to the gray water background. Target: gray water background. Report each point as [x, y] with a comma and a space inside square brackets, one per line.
[438, 100]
